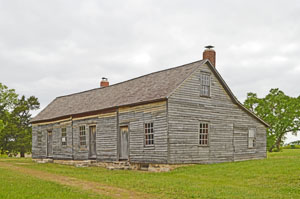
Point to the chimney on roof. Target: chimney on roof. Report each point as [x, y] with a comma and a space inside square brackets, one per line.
[104, 82]
[210, 54]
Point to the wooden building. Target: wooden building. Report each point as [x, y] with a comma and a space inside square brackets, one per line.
[185, 114]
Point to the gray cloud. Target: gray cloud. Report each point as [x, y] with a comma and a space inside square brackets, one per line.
[53, 48]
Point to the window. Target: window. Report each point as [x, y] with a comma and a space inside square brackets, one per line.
[63, 136]
[203, 134]
[251, 137]
[39, 138]
[82, 137]
[149, 134]
[205, 84]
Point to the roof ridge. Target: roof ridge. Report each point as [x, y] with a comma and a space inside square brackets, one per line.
[171, 68]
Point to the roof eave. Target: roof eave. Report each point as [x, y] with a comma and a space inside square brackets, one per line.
[96, 112]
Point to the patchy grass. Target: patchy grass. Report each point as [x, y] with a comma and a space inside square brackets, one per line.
[278, 176]
[15, 185]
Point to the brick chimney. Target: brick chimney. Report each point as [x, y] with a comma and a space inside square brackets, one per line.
[104, 82]
[210, 54]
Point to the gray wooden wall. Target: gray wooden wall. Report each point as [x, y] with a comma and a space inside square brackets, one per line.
[176, 126]
[59, 151]
[107, 126]
[106, 138]
[228, 135]
[136, 117]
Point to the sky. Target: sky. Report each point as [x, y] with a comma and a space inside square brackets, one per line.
[59, 47]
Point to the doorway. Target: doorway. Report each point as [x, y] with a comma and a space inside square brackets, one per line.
[49, 144]
[92, 135]
[124, 143]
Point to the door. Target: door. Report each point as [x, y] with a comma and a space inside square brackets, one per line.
[92, 135]
[49, 144]
[124, 144]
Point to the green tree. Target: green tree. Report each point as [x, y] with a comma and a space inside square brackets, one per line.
[15, 136]
[1, 125]
[280, 111]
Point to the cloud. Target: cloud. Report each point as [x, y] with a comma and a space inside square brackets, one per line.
[52, 48]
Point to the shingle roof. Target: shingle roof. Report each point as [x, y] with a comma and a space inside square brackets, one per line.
[151, 87]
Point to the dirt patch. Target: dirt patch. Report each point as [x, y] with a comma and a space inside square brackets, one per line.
[95, 187]
[21, 163]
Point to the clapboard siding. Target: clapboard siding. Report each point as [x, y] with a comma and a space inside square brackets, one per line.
[59, 151]
[106, 137]
[135, 117]
[39, 150]
[185, 111]
[81, 152]
[176, 124]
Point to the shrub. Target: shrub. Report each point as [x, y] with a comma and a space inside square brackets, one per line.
[292, 146]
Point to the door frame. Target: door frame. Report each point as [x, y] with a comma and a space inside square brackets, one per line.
[93, 125]
[128, 141]
[48, 155]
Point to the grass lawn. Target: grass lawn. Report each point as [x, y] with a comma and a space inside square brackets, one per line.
[15, 185]
[278, 176]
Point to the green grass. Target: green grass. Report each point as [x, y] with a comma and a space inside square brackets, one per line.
[278, 176]
[15, 185]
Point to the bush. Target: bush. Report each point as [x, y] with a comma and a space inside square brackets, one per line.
[292, 146]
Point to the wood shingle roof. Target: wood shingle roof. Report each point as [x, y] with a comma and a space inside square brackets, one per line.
[151, 87]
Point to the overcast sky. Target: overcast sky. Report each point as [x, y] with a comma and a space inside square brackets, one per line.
[58, 47]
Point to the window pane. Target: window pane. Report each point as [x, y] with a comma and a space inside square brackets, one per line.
[205, 84]
[82, 135]
[149, 134]
[203, 134]
[252, 132]
[250, 142]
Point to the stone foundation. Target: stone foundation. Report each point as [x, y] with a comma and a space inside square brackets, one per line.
[119, 165]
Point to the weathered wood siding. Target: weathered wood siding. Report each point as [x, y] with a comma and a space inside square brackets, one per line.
[186, 108]
[176, 129]
[81, 152]
[59, 151]
[38, 150]
[106, 137]
[107, 132]
[135, 117]
[241, 150]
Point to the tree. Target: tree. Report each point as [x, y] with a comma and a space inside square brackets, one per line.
[1, 125]
[21, 117]
[280, 111]
[15, 136]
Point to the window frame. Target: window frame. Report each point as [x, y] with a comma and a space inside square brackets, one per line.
[202, 94]
[251, 138]
[82, 136]
[148, 132]
[39, 138]
[207, 134]
[66, 140]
